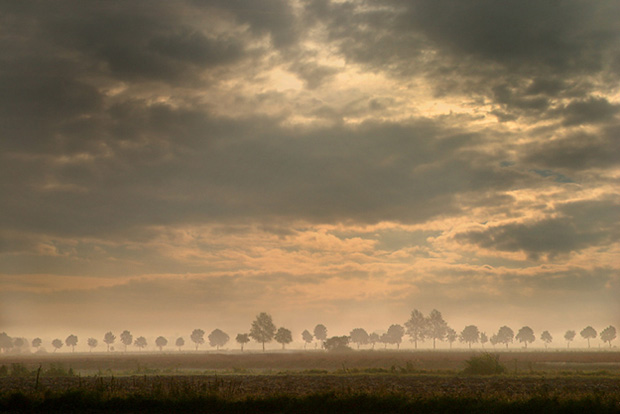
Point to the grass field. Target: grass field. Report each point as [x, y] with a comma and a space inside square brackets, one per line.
[425, 382]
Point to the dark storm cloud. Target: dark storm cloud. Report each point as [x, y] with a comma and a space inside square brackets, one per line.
[576, 226]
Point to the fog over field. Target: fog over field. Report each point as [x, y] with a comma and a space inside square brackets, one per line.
[173, 165]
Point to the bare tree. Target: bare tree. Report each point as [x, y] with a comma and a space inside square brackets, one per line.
[218, 338]
[198, 337]
[180, 342]
[263, 329]
[569, 336]
[126, 338]
[525, 335]
[588, 333]
[436, 327]
[608, 334]
[109, 339]
[546, 338]
[57, 344]
[71, 341]
[307, 337]
[161, 342]
[92, 343]
[140, 342]
[470, 334]
[283, 336]
[242, 339]
[416, 327]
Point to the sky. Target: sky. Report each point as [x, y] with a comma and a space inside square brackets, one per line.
[171, 165]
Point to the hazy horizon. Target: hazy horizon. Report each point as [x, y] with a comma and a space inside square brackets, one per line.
[171, 165]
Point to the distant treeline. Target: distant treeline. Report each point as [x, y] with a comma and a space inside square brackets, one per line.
[418, 328]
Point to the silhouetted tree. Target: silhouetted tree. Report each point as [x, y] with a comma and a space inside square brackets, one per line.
[451, 336]
[608, 334]
[263, 329]
[109, 339]
[6, 342]
[307, 337]
[198, 337]
[470, 334]
[320, 332]
[19, 344]
[569, 336]
[525, 335]
[373, 338]
[493, 340]
[283, 336]
[57, 344]
[92, 343]
[71, 341]
[140, 342]
[36, 342]
[126, 339]
[588, 333]
[416, 327]
[505, 335]
[483, 339]
[218, 338]
[359, 336]
[395, 335]
[546, 338]
[242, 339]
[436, 327]
[161, 342]
[337, 343]
[179, 343]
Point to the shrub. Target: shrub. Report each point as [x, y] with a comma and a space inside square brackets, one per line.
[485, 364]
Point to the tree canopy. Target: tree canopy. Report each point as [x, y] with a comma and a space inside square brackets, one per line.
[359, 336]
[588, 333]
[525, 335]
[470, 334]
[71, 341]
[161, 342]
[263, 329]
[126, 338]
[505, 335]
[320, 332]
[242, 339]
[198, 337]
[109, 339]
[608, 334]
[307, 337]
[284, 336]
[218, 338]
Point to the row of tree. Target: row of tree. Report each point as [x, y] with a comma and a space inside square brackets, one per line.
[418, 327]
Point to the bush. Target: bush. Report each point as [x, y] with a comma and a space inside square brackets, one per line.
[485, 364]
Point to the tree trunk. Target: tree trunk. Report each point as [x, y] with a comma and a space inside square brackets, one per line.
[433, 343]
[263, 346]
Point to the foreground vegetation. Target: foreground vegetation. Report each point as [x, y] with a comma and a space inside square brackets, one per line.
[421, 382]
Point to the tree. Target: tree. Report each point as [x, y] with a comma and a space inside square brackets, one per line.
[161, 342]
[71, 341]
[242, 339]
[92, 343]
[395, 335]
[263, 329]
[179, 343]
[307, 337]
[337, 343]
[451, 336]
[546, 338]
[218, 338]
[6, 342]
[126, 339]
[36, 342]
[588, 333]
[284, 336]
[197, 337]
[140, 342]
[569, 336]
[505, 335]
[359, 336]
[483, 339]
[437, 328]
[493, 340]
[525, 335]
[416, 327]
[608, 334]
[470, 335]
[320, 332]
[57, 344]
[109, 339]
[373, 338]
